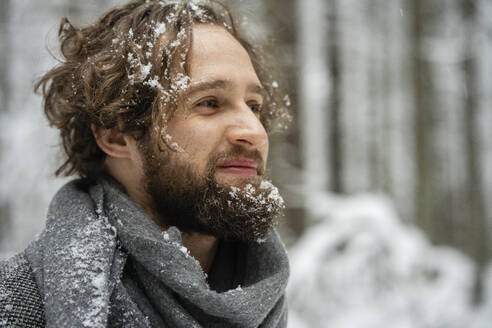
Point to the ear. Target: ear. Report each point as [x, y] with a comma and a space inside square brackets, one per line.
[112, 141]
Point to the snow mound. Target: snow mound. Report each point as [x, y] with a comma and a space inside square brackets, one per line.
[360, 267]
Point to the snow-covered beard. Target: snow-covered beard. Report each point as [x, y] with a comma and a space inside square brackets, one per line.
[246, 210]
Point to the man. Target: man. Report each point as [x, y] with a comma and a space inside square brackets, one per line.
[163, 110]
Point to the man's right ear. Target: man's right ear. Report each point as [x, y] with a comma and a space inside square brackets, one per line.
[112, 141]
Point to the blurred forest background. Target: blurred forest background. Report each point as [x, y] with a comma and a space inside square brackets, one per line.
[389, 97]
[393, 97]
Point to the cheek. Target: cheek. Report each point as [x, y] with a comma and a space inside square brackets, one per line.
[197, 141]
[196, 137]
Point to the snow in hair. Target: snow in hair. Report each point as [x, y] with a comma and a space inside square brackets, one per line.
[129, 69]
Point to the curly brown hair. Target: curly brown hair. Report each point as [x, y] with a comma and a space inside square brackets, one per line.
[126, 71]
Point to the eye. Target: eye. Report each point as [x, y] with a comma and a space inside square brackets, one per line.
[255, 107]
[212, 103]
[207, 106]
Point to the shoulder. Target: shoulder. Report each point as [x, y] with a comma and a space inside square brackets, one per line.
[20, 299]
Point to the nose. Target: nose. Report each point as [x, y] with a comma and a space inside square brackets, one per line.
[246, 130]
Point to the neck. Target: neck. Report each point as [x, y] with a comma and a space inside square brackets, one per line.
[202, 248]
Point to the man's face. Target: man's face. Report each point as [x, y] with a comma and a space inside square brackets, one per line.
[224, 100]
[216, 184]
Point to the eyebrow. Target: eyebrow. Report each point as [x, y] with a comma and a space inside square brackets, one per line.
[221, 85]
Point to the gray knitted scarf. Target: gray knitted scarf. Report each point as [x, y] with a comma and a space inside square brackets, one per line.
[102, 262]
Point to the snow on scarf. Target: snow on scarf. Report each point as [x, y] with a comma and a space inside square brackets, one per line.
[94, 234]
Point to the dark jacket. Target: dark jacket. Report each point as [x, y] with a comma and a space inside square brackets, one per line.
[20, 300]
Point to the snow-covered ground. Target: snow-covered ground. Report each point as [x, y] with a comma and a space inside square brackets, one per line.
[360, 267]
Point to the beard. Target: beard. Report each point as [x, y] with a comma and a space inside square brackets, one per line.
[244, 210]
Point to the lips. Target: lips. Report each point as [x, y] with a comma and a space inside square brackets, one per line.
[241, 167]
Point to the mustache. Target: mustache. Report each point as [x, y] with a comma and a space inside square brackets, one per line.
[237, 152]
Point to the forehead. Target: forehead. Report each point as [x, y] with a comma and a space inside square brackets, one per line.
[214, 51]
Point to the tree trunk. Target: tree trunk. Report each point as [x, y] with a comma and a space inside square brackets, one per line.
[281, 26]
[379, 72]
[474, 190]
[423, 125]
[4, 54]
[373, 96]
[5, 217]
[335, 119]
[386, 91]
